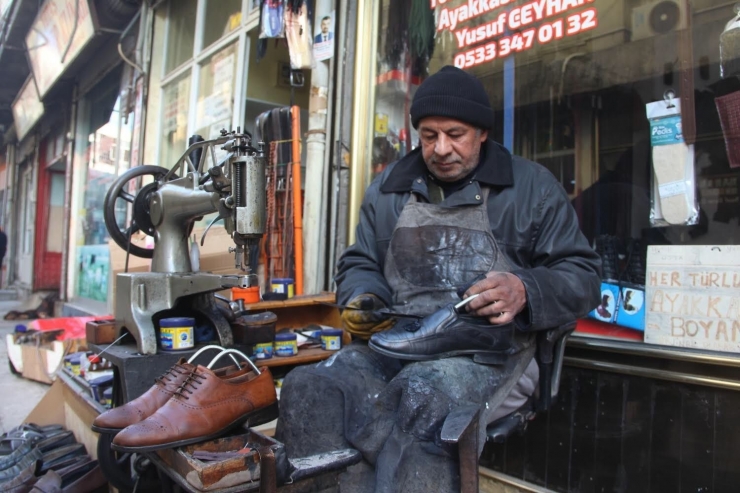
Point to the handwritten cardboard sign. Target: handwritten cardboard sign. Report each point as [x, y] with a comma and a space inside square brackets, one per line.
[693, 297]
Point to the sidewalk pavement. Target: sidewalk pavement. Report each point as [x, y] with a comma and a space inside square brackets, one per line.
[19, 395]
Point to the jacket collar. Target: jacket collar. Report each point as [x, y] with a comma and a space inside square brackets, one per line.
[496, 170]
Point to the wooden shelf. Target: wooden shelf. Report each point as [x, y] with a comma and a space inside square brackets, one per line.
[304, 357]
[312, 299]
[300, 311]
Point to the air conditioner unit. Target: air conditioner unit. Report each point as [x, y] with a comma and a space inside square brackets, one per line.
[658, 17]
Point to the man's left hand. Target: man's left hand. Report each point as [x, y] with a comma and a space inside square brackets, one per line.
[501, 297]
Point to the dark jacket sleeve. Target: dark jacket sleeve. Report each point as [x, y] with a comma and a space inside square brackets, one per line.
[564, 282]
[359, 268]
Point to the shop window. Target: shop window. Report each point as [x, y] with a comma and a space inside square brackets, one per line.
[56, 214]
[571, 90]
[222, 20]
[27, 187]
[181, 35]
[175, 120]
[108, 132]
[216, 93]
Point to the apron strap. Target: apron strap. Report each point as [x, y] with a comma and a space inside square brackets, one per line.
[485, 191]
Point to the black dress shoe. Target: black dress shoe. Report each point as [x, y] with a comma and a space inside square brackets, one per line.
[82, 478]
[446, 333]
[61, 457]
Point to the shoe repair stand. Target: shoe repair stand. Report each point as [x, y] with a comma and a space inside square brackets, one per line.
[134, 373]
[132, 377]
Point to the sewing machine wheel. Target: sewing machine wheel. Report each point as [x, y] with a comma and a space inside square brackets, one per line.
[140, 203]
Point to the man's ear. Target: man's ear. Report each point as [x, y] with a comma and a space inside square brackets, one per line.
[483, 136]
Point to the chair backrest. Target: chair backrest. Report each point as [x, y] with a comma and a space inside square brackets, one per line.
[550, 353]
[549, 356]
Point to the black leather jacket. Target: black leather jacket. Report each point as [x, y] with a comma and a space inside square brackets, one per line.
[531, 219]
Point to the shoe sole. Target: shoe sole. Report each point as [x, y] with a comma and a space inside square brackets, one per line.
[107, 431]
[255, 418]
[419, 357]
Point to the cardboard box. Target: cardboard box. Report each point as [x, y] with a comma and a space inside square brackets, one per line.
[100, 331]
[40, 361]
[691, 297]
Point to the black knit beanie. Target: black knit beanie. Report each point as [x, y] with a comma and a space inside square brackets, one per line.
[453, 93]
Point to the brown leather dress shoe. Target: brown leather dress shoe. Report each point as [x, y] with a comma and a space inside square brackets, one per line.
[203, 407]
[118, 418]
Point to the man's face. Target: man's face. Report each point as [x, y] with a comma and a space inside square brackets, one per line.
[451, 148]
[325, 26]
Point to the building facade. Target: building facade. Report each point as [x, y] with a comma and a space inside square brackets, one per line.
[630, 104]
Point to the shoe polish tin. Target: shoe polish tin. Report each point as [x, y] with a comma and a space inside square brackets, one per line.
[263, 350]
[286, 344]
[331, 339]
[176, 333]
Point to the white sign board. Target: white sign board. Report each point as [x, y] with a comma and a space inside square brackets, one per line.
[56, 38]
[693, 297]
[27, 108]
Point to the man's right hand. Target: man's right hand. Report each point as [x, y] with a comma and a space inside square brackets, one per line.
[362, 316]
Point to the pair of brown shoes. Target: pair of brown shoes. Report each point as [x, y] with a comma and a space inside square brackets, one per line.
[190, 404]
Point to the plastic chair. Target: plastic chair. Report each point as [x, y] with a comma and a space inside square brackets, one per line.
[461, 425]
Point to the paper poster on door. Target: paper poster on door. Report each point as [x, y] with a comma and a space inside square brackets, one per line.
[323, 41]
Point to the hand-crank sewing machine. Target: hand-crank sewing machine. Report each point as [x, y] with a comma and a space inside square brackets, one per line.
[166, 209]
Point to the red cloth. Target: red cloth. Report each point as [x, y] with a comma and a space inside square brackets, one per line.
[73, 327]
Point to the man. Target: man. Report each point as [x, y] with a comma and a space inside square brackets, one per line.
[325, 35]
[457, 215]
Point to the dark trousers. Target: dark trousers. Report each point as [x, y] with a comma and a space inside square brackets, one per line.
[392, 412]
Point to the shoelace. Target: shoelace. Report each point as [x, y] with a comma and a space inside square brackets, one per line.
[168, 375]
[193, 380]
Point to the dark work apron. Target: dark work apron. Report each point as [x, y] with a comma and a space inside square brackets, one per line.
[392, 411]
[434, 250]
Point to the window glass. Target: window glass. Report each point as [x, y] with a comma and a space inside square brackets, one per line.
[56, 213]
[221, 20]
[181, 35]
[216, 93]
[571, 84]
[106, 158]
[174, 130]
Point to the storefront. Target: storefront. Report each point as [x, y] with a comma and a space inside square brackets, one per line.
[64, 61]
[596, 91]
[215, 68]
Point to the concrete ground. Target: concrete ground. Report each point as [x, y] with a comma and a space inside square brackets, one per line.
[19, 395]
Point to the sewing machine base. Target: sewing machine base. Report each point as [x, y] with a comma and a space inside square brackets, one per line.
[142, 299]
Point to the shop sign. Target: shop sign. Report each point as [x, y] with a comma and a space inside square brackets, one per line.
[27, 108]
[56, 38]
[507, 29]
[693, 297]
